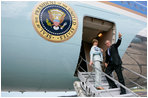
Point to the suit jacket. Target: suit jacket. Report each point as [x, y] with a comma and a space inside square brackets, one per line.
[114, 55]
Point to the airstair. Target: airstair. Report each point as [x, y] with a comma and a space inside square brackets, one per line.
[85, 87]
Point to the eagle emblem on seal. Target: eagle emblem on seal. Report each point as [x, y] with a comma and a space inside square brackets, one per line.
[56, 17]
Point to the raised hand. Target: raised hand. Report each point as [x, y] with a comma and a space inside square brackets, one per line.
[120, 35]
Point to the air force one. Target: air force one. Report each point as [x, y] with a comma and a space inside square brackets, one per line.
[43, 41]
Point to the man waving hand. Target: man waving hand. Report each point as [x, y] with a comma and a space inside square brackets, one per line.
[113, 62]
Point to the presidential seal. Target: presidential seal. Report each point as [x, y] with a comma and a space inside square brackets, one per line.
[54, 21]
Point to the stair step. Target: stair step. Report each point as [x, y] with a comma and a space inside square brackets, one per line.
[103, 77]
[93, 76]
[126, 95]
[109, 92]
[89, 73]
[92, 80]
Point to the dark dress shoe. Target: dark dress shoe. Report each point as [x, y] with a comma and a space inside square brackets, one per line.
[122, 93]
[112, 87]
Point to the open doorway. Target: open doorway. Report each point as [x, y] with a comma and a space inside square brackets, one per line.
[99, 29]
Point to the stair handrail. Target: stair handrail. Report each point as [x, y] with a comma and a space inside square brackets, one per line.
[135, 73]
[134, 82]
[112, 79]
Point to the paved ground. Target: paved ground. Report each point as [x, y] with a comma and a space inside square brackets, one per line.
[135, 59]
[141, 92]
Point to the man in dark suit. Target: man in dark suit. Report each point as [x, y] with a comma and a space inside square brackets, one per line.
[113, 62]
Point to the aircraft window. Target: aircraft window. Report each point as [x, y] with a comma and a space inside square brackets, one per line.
[129, 3]
[123, 2]
[136, 6]
[141, 8]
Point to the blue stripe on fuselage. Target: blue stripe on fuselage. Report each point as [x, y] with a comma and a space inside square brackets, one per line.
[138, 6]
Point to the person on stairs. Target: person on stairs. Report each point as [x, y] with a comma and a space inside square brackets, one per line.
[96, 58]
[113, 62]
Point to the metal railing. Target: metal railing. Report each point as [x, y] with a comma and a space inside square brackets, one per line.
[109, 78]
[137, 75]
